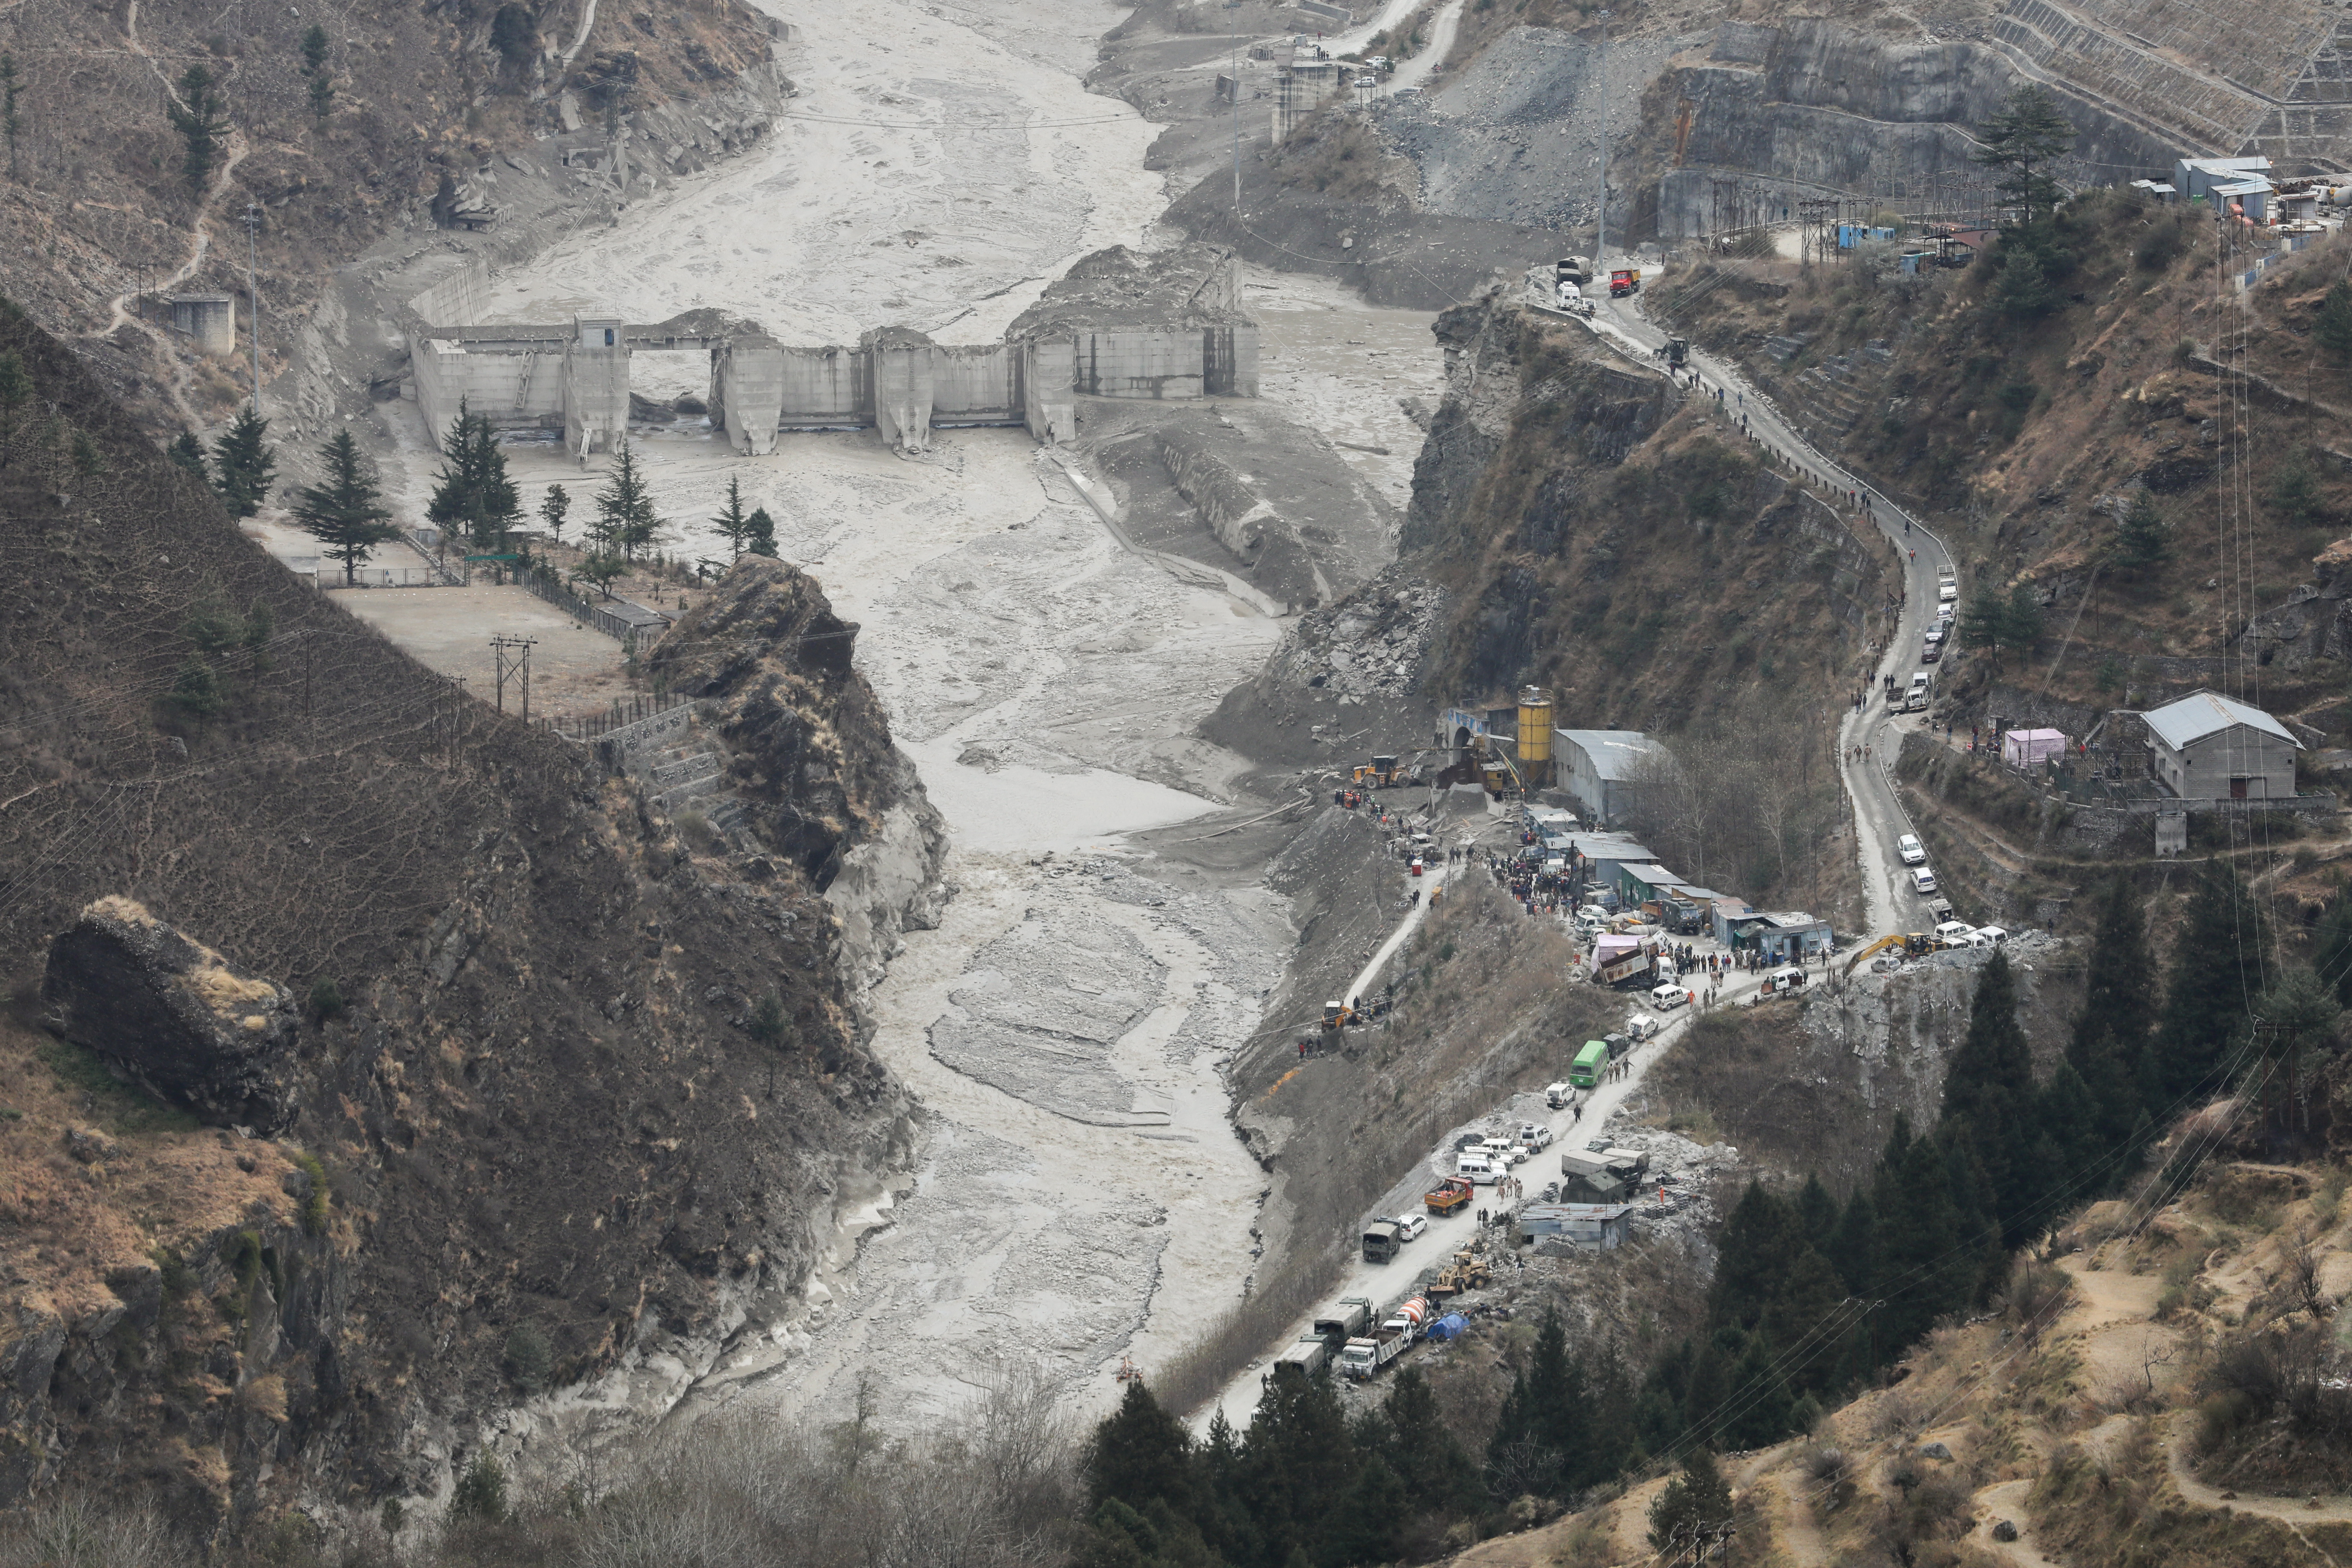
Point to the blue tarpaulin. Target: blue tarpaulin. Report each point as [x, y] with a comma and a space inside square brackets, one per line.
[1448, 1326]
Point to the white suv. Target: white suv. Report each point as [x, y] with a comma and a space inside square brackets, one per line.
[1924, 880]
[1907, 850]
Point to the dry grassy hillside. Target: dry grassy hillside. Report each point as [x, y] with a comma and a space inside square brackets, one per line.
[532, 1095]
[2164, 1384]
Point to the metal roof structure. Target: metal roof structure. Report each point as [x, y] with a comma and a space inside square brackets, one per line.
[2202, 713]
[1614, 753]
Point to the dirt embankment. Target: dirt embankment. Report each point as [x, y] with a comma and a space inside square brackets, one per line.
[553, 1122]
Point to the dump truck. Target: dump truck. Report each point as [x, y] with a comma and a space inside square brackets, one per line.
[1367, 1353]
[1451, 1196]
[1624, 281]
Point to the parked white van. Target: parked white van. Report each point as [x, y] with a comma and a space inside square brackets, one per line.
[1475, 1167]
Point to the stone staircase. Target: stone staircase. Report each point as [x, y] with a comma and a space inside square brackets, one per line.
[678, 767]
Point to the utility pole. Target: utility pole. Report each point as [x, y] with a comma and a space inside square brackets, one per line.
[511, 656]
[252, 295]
[1601, 225]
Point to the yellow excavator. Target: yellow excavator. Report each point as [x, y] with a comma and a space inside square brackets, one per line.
[1914, 944]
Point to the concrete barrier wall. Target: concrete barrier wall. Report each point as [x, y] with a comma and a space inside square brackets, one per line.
[976, 385]
[825, 388]
[596, 398]
[488, 385]
[1138, 363]
[457, 300]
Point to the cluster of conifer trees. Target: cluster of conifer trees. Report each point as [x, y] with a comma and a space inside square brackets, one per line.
[1812, 1295]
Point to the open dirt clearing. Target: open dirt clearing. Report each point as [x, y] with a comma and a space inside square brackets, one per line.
[573, 671]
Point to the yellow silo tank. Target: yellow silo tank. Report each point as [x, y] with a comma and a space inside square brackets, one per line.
[1535, 732]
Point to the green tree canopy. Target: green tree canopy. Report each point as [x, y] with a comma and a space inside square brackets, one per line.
[345, 513]
[625, 520]
[2334, 328]
[2217, 974]
[200, 114]
[189, 453]
[2143, 539]
[1697, 1499]
[244, 463]
[473, 499]
[2023, 137]
[553, 507]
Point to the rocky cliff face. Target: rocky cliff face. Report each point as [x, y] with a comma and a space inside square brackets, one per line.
[811, 756]
[552, 1131]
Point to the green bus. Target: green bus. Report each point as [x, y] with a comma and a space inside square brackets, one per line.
[1586, 1071]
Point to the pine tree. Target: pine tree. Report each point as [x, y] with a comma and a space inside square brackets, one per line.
[1817, 1212]
[314, 48]
[1925, 1270]
[1760, 1401]
[625, 522]
[473, 499]
[1760, 1240]
[2072, 1149]
[1299, 1462]
[1853, 1251]
[2217, 972]
[2021, 623]
[1559, 1404]
[1710, 1380]
[189, 453]
[2143, 539]
[1696, 1499]
[1139, 1452]
[323, 96]
[244, 464]
[763, 534]
[1658, 1423]
[345, 514]
[1805, 1323]
[1984, 623]
[1988, 1086]
[2020, 139]
[599, 569]
[201, 117]
[2119, 998]
[1437, 1476]
[733, 524]
[553, 507]
[2334, 328]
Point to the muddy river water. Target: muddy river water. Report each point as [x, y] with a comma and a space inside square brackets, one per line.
[1080, 1195]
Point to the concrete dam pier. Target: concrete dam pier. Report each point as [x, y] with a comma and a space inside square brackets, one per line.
[1121, 324]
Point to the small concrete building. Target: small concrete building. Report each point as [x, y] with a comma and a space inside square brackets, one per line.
[209, 319]
[1781, 935]
[2211, 747]
[1602, 1227]
[1603, 768]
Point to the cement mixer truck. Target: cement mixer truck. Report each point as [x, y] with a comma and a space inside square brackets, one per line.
[1363, 1357]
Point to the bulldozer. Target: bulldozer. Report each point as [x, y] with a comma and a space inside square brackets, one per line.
[1914, 944]
[1380, 772]
[1468, 1271]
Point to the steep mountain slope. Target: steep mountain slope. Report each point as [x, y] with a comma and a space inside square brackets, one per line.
[567, 1093]
[99, 216]
[2026, 429]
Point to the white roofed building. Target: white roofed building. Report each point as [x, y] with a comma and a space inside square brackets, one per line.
[2211, 747]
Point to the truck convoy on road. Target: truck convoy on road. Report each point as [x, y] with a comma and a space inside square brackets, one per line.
[1365, 1354]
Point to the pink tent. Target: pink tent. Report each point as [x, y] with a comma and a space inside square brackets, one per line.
[2028, 748]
